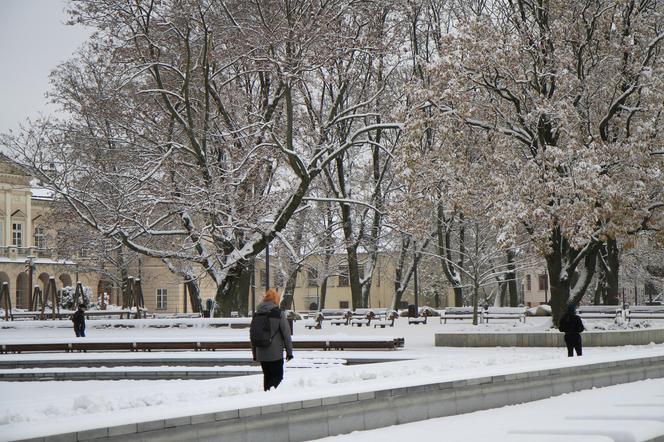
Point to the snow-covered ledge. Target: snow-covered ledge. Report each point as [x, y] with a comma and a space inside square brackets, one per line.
[606, 338]
[298, 416]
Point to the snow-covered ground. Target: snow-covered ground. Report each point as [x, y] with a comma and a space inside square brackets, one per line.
[29, 409]
[620, 413]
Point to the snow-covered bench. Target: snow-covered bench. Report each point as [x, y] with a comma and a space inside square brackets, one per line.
[599, 311]
[645, 312]
[387, 320]
[362, 316]
[518, 313]
[423, 314]
[336, 316]
[457, 313]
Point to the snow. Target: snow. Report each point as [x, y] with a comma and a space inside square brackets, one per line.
[30, 409]
[628, 412]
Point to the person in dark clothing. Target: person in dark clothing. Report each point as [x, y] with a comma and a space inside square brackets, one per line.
[572, 326]
[272, 356]
[78, 319]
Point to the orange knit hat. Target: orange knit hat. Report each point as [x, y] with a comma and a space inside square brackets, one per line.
[271, 296]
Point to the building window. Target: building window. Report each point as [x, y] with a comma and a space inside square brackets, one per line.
[17, 234]
[312, 277]
[543, 282]
[343, 304]
[343, 276]
[162, 299]
[529, 283]
[40, 240]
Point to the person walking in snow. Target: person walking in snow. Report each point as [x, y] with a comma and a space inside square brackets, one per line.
[78, 319]
[270, 334]
[572, 326]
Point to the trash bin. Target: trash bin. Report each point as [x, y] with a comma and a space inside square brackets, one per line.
[412, 311]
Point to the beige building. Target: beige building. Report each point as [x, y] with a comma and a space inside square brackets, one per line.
[535, 285]
[24, 229]
[27, 233]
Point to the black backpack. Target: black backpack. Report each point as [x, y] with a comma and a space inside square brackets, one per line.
[259, 332]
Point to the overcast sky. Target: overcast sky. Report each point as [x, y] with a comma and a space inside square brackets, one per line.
[33, 40]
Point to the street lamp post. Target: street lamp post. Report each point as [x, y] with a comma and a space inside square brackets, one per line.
[417, 307]
[253, 287]
[267, 265]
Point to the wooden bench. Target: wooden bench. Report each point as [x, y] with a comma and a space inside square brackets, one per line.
[147, 345]
[458, 313]
[599, 311]
[645, 312]
[518, 313]
[362, 316]
[336, 316]
[421, 318]
[386, 320]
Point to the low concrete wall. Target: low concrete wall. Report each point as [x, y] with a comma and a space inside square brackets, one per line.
[609, 338]
[328, 416]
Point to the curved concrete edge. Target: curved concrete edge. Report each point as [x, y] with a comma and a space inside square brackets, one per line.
[609, 338]
[329, 416]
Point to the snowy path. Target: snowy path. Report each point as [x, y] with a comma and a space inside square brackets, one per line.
[33, 408]
[622, 413]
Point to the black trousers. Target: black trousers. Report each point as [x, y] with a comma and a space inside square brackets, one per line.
[573, 342]
[273, 373]
[79, 329]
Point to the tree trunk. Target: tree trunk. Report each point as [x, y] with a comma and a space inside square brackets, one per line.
[502, 294]
[233, 292]
[354, 277]
[194, 295]
[399, 287]
[566, 284]
[511, 279]
[612, 296]
[323, 294]
[287, 299]
[444, 251]
[476, 298]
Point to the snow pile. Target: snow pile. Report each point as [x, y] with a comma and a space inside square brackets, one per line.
[618, 325]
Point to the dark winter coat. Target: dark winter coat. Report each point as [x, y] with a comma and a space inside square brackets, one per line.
[571, 323]
[280, 329]
[78, 318]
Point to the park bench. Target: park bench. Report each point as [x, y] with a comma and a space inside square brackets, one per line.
[160, 345]
[362, 316]
[421, 317]
[599, 311]
[458, 313]
[336, 316]
[175, 315]
[385, 320]
[645, 312]
[314, 322]
[518, 313]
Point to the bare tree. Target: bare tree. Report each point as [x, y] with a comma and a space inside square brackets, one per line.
[189, 144]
